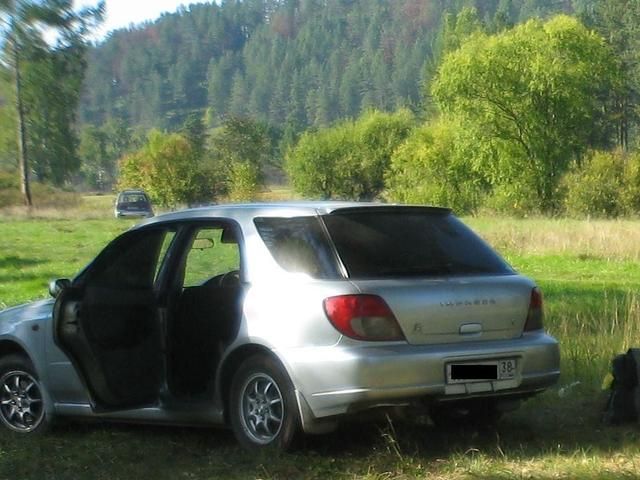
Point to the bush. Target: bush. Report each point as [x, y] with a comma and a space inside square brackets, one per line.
[630, 194]
[312, 165]
[349, 159]
[517, 199]
[243, 182]
[597, 187]
[166, 168]
[432, 167]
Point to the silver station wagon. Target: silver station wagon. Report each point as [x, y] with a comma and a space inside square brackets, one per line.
[275, 319]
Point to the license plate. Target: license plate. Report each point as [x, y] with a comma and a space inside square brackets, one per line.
[504, 369]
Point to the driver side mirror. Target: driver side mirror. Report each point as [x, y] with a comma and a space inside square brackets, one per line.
[56, 286]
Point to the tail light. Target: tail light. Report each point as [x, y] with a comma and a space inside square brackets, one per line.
[363, 317]
[536, 312]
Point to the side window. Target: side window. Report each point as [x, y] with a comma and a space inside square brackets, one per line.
[214, 251]
[298, 245]
[133, 260]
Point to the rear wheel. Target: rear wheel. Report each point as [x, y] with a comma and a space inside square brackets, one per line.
[22, 407]
[262, 404]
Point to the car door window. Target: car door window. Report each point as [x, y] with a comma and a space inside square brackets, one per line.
[133, 260]
[213, 252]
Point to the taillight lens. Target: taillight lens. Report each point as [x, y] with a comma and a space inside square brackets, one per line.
[363, 317]
[536, 312]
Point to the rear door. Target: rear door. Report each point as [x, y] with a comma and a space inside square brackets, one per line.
[109, 321]
[443, 283]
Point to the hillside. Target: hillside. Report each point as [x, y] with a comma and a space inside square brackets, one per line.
[289, 62]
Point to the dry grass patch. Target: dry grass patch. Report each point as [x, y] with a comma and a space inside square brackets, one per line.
[605, 239]
[51, 204]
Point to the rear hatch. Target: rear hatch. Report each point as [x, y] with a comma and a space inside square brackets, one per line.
[133, 202]
[442, 282]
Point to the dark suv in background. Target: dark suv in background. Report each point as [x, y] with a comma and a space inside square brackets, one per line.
[133, 203]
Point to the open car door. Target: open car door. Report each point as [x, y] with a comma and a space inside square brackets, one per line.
[109, 321]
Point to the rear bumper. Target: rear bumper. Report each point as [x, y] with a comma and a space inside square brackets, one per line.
[132, 214]
[337, 380]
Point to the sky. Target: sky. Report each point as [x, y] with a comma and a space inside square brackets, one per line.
[121, 13]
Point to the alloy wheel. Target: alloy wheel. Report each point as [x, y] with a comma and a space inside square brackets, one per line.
[21, 405]
[262, 408]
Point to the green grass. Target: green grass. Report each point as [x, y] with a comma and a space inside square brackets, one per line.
[589, 272]
[33, 252]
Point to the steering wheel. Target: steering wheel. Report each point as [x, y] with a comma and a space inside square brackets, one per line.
[230, 279]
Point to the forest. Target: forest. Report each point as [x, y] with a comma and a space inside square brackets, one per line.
[296, 76]
[298, 62]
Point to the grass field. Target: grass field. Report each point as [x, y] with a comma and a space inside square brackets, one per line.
[589, 272]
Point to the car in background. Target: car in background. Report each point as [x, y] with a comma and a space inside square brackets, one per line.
[133, 203]
[278, 318]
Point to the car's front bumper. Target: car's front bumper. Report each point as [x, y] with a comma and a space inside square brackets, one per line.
[337, 380]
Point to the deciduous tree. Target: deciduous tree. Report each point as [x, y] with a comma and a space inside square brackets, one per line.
[532, 93]
[21, 33]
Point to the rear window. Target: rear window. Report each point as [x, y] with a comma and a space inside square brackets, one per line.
[409, 242]
[299, 245]
[135, 198]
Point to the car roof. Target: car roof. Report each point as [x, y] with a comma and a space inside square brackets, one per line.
[132, 191]
[282, 209]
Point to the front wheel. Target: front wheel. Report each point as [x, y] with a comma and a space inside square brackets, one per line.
[22, 407]
[262, 408]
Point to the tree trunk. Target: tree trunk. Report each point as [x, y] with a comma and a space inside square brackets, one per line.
[22, 140]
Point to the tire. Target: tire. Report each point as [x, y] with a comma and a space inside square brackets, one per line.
[22, 397]
[262, 405]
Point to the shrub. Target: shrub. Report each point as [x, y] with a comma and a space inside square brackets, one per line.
[243, 182]
[517, 199]
[349, 159]
[595, 188]
[167, 168]
[432, 167]
[312, 165]
[630, 193]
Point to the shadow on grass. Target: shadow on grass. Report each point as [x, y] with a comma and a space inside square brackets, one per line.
[568, 299]
[13, 262]
[382, 449]
[27, 277]
[536, 430]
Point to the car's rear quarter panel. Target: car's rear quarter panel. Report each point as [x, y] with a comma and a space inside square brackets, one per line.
[335, 374]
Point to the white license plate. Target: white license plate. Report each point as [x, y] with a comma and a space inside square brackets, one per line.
[465, 372]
